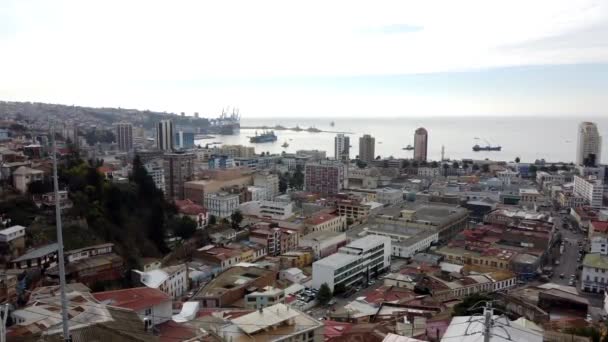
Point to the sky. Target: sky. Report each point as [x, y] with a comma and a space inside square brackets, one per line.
[310, 58]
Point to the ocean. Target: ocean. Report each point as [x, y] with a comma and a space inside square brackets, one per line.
[528, 138]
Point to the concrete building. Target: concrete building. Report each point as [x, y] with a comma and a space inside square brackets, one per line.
[276, 240]
[430, 172]
[221, 204]
[325, 177]
[278, 322]
[151, 305]
[323, 243]
[389, 196]
[325, 222]
[124, 136]
[172, 280]
[353, 209]
[507, 177]
[420, 144]
[12, 241]
[165, 135]
[529, 196]
[471, 329]
[178, 169]
[156, 170]
[589, 145]
[220, 161]
[256, 193]
[23, 176]
[591, 189]
[594, 276]
[356, 262]
[266, 297]
[268, 209]
[405, 241]
[342, 148]
[315, 155]
[367, 148]
[268, 181]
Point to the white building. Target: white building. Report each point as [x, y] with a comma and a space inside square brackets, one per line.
[294, 275]
[591, 189]
[258, 193]
[529, 196]
[269, 209]
[354, 263]
[389, 196]
[171, 280]
[268, 181]
[12, 233]
[589, 145]
[326, 222]
[594, 276]
[261, 299]
[507, 176]
[151, 305]
[405, 241]
[472, 329]
[428, 171]
[23, 176]
[156, 170]
[323, 243]
[342, 148]
[599, 244]
[221, 204]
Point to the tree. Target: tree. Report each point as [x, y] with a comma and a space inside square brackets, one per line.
[553, 168]
[212, 220]
[40, 187]
[297, 180]
[406, 163]
[339, 288]
[361, 164]
[324, 295]
[485, 168]
[183, 227]
[283, 183]
[434, 164]
[236, 218]
[564, 167]
[517, 160]
[455, 165]
[532, 170]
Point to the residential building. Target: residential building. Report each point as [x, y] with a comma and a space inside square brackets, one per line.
[589, 145]
[219, 180]
[367, 148]
[448, 288]
[165, 135]
[430, 172]
[172, 280]
[268, 181]
[266, 297]
[124, 136]
[194, 211]
[156, 170]
[353, 209]
[178, 169]
[23, 176]
[420, 144]
[89, 265]
[276, 240]
[591, 189]
[356, 262]
[42, 257]
[12, 240]
[529, 196]
[278, 322]
[321, 221]
[389, 196]
[151, 305]
[325, 177]
[221, 204]
[268, 209]
[342, 148]
[323, 243]
[594, 276]
[48, 199]
[315, 155]
[220, 161]
[256, 193]
[231, 285]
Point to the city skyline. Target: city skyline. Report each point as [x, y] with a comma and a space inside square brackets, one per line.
[357, 60]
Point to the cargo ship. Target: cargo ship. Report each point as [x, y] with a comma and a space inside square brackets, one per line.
[478, 148]
[226, 124]
[266, 136]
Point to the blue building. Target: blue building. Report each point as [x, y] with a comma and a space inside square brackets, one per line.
[184, 140]
[217, 161]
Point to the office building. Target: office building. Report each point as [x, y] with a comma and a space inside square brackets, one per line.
[367, 148]
[342, 148]
[221, 204]
[179, 168]
[268, 181]
[124, 136]
[325, 177]
[156, 170]
[421, 138]
[591, 189]
[184, 140]
[165, 135]
[589, 145]
[356, 262]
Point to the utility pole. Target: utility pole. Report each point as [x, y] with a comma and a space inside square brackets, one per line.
[487, 313]
[3, 326]
[64, 302]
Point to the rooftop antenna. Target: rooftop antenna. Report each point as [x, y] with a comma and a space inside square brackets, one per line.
[64, 302]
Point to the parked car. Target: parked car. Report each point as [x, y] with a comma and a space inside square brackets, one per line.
[571, 282]
[562, 276]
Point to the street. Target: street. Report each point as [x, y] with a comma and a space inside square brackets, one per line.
[568, 259]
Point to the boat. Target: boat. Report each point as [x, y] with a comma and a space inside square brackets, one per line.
[285, 144]
[478, 148]
[226, 124]
[332, 124]
[408, 148]
[313, 130]
[297, 129]
[266, 136]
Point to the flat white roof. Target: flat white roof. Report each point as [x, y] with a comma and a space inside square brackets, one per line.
[367, 241]
[337, 260]
[272, 315]
[153, 278]
[11, 230]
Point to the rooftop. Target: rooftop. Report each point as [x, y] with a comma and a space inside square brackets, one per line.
[471, 328]
[596, 260]
[135, 299]
[37, 253]
[337, 260]
[320, 218]
[11, 230]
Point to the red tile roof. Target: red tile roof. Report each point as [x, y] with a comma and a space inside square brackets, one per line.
[188, 207]
[135, 299]
[320, 218]
[172, 331]
[333, 329]
[600, 226]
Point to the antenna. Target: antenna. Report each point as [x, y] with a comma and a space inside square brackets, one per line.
[64, 302]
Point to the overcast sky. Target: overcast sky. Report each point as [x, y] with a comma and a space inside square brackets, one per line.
[310, 58]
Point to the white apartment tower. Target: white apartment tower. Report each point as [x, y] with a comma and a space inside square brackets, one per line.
[589, 146]
[342, 148]
[165, 135]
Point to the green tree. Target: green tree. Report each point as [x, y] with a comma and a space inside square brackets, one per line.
[553, 168]
[236, 218]
[339, 288]
[517, 160]
[324, 295]
[434, 164]
[406, 163]
[283, 183]
[532, 170]
[361, 164]
[455, 165]
[297, 180]
[40, 187]
[183, 227]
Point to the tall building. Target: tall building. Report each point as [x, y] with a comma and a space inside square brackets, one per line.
[165, 135]
[184, 140]
[367, 148]
[325, 177]
[591, 189]
[179, 168]
[589, 147]
[124, 136]
[268, 181]
[342, 148]
[421, 139]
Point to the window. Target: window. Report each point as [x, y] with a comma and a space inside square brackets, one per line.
[148, 312]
